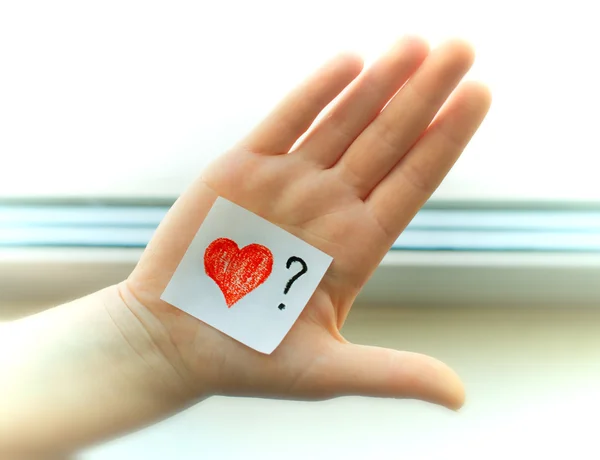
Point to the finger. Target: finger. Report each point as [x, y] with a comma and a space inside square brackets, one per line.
[296, 112]
[396, 129]
[395, 201]
[364, 100]
[380, 372]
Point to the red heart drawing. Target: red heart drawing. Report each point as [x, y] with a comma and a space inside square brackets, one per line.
[237, 271]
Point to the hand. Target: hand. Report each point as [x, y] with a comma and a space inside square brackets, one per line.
[358, 176]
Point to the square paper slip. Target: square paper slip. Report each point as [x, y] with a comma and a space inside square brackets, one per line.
[246, 277]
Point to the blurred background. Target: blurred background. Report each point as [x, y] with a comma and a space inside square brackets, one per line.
[108, 110]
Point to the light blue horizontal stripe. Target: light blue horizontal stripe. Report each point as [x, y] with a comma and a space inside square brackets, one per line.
[410, 239]
[25, 216]
[509, 220]
[133, 226]
[123, 216]
[493, 241]
[57, 236]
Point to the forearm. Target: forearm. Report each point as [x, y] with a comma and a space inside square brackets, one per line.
[80, 373]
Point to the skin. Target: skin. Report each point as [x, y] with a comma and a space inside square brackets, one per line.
[121, 358]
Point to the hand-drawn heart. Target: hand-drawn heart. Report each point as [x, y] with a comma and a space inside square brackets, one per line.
[237, 271]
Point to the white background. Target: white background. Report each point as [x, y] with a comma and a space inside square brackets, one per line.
[124, 98]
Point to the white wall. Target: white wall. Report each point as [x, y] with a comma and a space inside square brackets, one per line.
[131, 98]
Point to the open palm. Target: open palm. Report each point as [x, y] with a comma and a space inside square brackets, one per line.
[348, 187]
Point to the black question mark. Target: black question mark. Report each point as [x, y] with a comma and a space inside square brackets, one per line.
[293, 279]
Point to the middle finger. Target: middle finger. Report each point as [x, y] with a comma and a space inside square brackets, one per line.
[375, 152]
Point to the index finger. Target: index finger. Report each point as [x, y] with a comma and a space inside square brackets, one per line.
[292, 117]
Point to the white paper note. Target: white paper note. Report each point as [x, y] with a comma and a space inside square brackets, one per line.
[246, 277]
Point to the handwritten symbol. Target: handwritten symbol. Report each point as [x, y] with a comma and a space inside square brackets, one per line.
[237, 271]
[294, 278]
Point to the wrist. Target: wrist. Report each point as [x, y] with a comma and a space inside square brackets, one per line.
[80, 373]
[156, 358]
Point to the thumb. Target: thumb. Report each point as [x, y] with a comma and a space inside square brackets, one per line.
[380, 372]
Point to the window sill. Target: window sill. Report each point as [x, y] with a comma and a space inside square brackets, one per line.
[34, 278]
